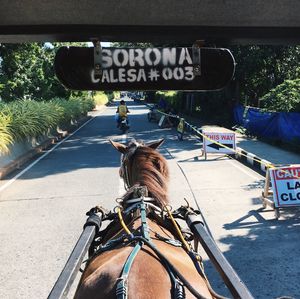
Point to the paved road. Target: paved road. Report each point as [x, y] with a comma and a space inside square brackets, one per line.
[42, 213]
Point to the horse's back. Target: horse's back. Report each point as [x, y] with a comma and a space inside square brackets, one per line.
[147, 278]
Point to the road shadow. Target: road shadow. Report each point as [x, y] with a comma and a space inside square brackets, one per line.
[268, 253]
[89, 147]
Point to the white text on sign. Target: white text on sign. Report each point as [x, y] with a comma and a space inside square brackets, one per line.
[223, 143]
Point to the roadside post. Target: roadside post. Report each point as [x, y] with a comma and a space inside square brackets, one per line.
[282, 188]
[180, 129]
[161, 121]
[219, 143]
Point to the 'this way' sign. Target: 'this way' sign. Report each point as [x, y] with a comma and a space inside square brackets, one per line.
[216, 141]
[286, 185]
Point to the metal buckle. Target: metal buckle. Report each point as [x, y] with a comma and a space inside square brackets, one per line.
[197, 57]
[97, 59]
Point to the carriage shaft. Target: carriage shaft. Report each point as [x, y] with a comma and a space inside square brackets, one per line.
[228, 274]
[71, 269]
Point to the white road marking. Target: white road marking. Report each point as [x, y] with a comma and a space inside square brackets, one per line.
[12, 180]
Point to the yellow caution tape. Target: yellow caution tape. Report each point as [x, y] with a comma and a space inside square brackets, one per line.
[267, 165]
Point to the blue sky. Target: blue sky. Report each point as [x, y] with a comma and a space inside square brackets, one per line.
[90, 44]
[103, 44]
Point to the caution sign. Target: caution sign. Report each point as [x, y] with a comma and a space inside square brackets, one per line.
[180, 127]
[286, 185]
[223, 143]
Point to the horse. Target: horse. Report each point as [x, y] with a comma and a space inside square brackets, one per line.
[155, 262]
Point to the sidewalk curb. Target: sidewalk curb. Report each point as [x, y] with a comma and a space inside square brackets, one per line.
[252, 159]
[18, 162]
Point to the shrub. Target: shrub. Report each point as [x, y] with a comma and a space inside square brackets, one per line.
[5, 135]
[172, 97]
[72, 109]
[24, 119]
[100, 98]
[30, 118]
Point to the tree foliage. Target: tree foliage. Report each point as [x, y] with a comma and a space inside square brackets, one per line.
[284, 98]
[261, 68]
[27, 72]
[131, 45]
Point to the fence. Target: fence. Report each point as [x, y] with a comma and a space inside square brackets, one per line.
[284, 126]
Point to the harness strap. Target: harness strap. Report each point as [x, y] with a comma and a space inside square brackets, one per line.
[196, 262]
[134, 200]
[177, 286]
[112, 243]
[122, 282]
[145, 228]
[173, 242]
[172, 268]
[179, 292]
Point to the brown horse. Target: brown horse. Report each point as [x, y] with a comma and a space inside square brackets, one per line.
[155, 268]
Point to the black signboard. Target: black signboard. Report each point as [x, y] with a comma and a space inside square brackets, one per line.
[145, 69]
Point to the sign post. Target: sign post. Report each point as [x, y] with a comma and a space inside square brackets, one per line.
[161, 121]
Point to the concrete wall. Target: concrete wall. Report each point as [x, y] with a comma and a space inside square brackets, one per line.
[19, 149]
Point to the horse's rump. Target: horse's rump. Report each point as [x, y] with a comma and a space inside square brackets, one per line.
[148, 277]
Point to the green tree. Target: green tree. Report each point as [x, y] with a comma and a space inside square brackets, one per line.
[27, 71]
[261, 68]
[284, 98]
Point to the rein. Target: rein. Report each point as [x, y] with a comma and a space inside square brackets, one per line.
[124, 164]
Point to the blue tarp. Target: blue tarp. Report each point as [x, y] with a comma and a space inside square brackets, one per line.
[283, 126]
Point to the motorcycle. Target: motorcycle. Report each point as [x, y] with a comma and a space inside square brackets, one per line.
[153, 115]
[123, 126]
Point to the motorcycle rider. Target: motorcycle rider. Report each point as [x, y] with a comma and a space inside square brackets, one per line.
[122, 111]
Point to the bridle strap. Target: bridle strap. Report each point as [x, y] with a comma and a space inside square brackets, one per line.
[125, 159]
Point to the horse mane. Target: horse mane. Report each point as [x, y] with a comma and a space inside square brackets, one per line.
[147, 167]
